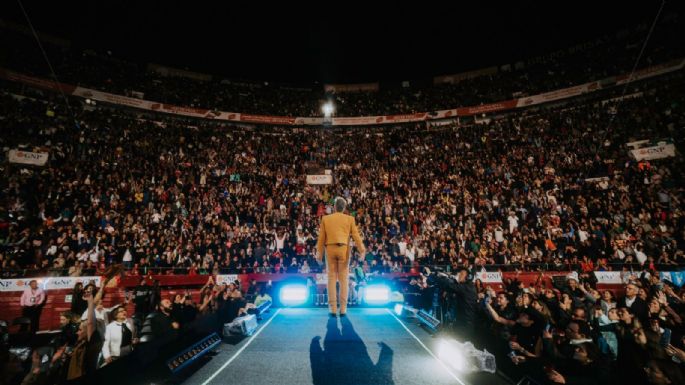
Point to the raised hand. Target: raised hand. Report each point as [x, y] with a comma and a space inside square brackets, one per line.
[675, 352]
[518, 359]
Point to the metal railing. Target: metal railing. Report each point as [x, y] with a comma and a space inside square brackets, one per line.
[151, 270]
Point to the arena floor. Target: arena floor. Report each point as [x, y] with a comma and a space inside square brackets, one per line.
[305, 346]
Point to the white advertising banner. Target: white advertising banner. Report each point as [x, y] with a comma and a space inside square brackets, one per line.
[46, 283]
[28, 157]
[660, 151]
[319, 179]
[308, 121]
[225, 278]
[610, 277]
[489, 276]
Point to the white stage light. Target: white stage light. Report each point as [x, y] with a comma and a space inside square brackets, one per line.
[398, 309]
[377, 294]
[450, 354]
[293, 295]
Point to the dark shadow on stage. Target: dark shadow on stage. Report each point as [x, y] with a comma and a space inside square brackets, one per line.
[344, 358]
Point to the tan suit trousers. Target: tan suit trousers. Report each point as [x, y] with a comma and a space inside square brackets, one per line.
[338, 261]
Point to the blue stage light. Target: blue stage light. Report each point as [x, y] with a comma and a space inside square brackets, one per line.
[377, 294]
[428, 320]
[293, 295]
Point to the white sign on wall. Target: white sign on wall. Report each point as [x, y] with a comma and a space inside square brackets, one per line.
[28, 157]
[666, 150]
[226, 278]
[46, 283]
[320, 179]
[489, 276]
[609, 277]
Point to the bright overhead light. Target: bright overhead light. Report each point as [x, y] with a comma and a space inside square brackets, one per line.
[328, 109]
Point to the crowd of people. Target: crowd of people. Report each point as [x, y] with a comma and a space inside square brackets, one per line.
[568, 332]
[93, 336]
[182, 197]
[610, 55]
[545, 188]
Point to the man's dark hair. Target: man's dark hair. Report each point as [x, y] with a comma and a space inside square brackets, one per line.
[583, 327]
[592, 350]
[534, 316]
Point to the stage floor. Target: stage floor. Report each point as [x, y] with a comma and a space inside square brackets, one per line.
[306, 346]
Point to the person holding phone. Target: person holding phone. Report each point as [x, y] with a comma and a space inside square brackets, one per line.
[525, 342]
[503, 313]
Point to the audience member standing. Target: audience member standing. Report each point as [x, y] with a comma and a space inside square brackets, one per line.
[120, 336]
[32, 301]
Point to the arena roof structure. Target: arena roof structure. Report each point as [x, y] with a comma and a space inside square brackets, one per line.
[329, 42]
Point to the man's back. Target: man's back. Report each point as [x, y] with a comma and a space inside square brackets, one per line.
[467, 300]
[161, 324]
[336, 228]
[334, 237]
[141, 298]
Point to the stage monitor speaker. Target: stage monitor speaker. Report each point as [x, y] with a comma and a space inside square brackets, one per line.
[192, 353]
[428, 320]
[261, 309]
[241, 326]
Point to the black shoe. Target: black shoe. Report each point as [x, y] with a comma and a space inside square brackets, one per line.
[332, 315]
[343, 314]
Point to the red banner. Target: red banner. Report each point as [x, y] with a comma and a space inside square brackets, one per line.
[267, 119]
[36, 82]
[486, 108]
[360, 87]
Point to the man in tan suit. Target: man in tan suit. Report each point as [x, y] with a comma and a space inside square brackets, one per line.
[334, 235]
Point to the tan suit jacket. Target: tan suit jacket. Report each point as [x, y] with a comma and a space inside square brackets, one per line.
[337, 228]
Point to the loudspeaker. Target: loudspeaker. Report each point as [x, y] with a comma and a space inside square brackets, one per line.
[241, 326]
